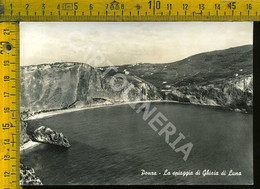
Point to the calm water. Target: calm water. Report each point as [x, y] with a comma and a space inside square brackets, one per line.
[111, 145]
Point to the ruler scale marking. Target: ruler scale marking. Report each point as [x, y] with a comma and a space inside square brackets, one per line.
[154, 9]
[9, 109]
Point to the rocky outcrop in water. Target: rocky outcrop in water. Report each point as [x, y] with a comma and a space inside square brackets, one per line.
[28, 177]
[46, 135]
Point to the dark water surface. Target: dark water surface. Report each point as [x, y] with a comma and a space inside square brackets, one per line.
[111, 145]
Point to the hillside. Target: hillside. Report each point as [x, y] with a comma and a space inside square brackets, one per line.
[220, 78]
[200, 69]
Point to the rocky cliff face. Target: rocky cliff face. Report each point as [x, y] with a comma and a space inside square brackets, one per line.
[24, 137]
[235, 94]
[65, 85]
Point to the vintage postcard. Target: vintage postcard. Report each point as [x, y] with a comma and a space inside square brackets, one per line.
[146, 103]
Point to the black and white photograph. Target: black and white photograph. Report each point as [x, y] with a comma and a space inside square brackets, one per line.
[136, 103]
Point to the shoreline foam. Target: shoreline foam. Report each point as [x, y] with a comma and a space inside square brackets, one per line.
[57, 112]
[28, 145]
[94, 106]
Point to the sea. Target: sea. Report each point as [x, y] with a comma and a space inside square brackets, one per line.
[115, 145]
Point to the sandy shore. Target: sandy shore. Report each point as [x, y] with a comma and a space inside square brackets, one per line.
[57, 112]
[28, 145]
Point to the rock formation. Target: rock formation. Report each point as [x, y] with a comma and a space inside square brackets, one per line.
[64, 85]
[234, 94]
[46, 135]
[24, 137]
[28, 177]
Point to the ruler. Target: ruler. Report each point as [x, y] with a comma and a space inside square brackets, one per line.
[9, 105]
[129, 10]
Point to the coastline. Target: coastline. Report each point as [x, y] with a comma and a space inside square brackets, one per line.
[28, 145]
[31, 144]
[102, 105]
[57, 112]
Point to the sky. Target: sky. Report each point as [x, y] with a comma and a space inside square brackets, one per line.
[127, 42]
